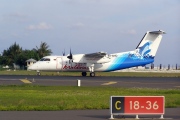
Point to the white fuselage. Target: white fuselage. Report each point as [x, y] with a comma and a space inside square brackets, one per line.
[101, 61]
[62, 63]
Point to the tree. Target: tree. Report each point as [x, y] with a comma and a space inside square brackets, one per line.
[43, 50]
[25, 55]
[15, 54]
[10, 55]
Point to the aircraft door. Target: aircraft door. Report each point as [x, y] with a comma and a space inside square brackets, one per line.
[59, 63]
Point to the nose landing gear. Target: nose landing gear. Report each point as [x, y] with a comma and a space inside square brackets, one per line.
[38, 73]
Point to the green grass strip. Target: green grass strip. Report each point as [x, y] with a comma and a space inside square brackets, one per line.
[123, 74]
[45, 98]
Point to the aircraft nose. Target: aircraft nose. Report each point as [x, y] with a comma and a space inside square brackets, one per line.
[31, 67]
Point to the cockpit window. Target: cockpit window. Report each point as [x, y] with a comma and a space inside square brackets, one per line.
[44, 59]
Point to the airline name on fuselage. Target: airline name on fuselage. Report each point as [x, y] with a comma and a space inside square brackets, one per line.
[77, 66]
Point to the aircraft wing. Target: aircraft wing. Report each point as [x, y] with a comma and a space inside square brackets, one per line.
[95, 55]
[98, 57]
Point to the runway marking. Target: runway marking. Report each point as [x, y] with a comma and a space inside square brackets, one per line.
[25, 81]
[177, 86]
[109, 83]
[146, 83]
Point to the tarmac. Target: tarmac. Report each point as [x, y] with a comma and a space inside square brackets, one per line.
[128, 82]
[170, 113]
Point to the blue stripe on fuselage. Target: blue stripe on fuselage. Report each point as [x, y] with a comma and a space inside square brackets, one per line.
[126, 61]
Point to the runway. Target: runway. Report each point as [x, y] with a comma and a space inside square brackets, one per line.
[128, 82]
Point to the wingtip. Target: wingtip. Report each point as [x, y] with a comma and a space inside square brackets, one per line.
[163, 32]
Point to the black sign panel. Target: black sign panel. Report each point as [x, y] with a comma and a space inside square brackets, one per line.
[117, 105]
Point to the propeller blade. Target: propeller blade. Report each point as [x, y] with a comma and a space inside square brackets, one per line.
[70, 55]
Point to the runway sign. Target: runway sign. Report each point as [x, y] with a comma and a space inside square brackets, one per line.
[137, 105]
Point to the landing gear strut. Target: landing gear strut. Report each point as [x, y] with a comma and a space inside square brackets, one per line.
[91, 69]
[38, 73]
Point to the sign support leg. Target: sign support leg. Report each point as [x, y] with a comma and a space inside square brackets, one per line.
[137, 117]
[161, 117]
[111, 117]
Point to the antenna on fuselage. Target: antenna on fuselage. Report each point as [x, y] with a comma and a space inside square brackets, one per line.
[63, 53]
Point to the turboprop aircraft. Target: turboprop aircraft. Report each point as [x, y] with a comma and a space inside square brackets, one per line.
[101, 61]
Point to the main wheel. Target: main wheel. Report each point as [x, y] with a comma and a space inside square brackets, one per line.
[92, 74]
[84, 73]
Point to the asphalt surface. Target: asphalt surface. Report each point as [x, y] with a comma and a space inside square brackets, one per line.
[142, 82]
[170, 113]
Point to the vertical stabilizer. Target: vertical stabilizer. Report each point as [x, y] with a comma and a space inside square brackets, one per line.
[149, 43]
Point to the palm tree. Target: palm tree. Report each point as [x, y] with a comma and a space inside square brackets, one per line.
[43, 50]
[11, 54]
[15, 50]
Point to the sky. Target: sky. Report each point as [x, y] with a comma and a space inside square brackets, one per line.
[88, 26]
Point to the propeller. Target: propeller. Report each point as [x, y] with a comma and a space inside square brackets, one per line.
[70, 57]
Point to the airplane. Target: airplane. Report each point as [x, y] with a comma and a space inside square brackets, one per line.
[101, 61]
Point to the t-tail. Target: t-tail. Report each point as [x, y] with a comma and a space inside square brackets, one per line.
[143, 54]
[149, 44]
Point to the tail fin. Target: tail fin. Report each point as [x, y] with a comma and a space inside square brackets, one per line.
[149, 44]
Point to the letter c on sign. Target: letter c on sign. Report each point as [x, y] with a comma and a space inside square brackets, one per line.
[116, 105]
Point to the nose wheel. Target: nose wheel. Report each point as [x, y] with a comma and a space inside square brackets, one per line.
[38, 73]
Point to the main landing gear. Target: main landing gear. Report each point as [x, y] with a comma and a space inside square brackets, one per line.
[84, 73]
[91, 69]
[92, 74]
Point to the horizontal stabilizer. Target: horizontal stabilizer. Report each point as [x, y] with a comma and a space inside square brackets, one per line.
[158, 32]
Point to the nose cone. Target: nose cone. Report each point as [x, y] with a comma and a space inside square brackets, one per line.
[29, 68]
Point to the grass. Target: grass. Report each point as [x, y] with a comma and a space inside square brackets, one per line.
[42, 98]
[123, 74]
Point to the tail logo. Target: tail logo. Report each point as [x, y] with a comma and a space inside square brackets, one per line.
[142, 52]
[145, 49]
